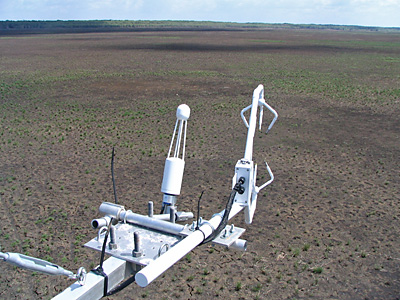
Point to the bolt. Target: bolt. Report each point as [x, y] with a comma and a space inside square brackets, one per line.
[136, 252]
[151, 210]
[113, 244]
[172, 212]
[193, 227]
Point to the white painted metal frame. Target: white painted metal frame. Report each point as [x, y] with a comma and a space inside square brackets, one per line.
[116, 269]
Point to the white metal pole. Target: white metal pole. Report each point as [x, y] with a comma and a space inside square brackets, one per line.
[257, 94]
[164, 262]
[168, 259]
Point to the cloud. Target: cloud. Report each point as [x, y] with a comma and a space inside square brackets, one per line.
[357, 12]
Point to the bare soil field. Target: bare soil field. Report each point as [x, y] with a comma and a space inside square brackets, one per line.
[326, 228]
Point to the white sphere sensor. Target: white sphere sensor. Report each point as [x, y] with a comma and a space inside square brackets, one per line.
[183, 112]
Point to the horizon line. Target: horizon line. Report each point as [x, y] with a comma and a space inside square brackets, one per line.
[209, 21]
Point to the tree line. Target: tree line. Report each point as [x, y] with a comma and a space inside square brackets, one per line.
[188, 25]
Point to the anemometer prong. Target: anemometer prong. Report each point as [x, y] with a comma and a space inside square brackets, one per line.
[271, 175]
[261, 104]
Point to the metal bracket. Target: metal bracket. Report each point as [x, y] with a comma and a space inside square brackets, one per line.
[228, 236]
[151, 241]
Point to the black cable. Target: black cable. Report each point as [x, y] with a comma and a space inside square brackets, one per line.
[112, 176]
[99, 270]
[121, 286]
[198, 210]
[224, 219]
[238, 188]
[163, 208]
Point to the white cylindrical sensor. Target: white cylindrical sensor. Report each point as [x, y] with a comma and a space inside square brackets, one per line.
[173, 175]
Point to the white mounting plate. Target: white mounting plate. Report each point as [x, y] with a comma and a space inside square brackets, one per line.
[152, 243]
[227, 238]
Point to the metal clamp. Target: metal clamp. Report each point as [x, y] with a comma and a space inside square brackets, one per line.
[100, 232]
[162, 247]
[207, 223]
[126, 213]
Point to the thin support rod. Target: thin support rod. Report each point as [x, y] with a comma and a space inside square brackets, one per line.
[178, 139]
[113, 177]
[184, 140]
[173, 137]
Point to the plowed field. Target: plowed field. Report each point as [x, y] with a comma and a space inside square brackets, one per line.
[326, 228]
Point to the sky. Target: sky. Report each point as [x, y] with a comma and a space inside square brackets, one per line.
[384, 13]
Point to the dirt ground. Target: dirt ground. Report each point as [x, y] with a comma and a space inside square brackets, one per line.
[326, 228]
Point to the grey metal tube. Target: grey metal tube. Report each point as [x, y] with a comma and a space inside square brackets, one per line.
[161, 217]
[110, 209]
[152, 223]
[98, 223]
[34, 264]
[180, 216]
[117, 211]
